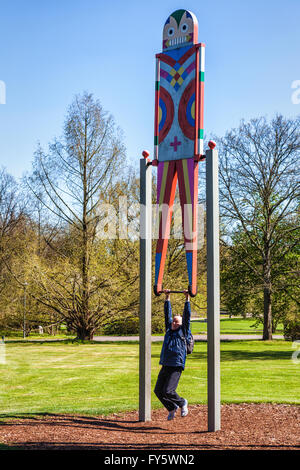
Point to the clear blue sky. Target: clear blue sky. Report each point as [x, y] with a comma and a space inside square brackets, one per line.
[51, 50]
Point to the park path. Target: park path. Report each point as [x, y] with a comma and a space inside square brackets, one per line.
[196, 337]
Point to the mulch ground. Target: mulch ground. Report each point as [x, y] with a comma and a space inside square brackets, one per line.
[244, 426]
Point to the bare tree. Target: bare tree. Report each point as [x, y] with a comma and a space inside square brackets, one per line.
[259, 187]
[68, 181]
[11, 216]
[10, 205]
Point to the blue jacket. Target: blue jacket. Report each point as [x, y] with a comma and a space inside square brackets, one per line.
[173, 351]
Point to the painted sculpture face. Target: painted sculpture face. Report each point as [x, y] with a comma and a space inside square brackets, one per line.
[181, 29]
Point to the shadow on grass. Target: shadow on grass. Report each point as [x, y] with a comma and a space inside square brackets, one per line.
[255, 355]
[64, 341]
[265, 355]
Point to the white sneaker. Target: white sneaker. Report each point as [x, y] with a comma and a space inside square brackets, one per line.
[184, 409]
[172, 414]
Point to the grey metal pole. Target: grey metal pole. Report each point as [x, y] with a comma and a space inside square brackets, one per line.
[145, 290]
[213, 291]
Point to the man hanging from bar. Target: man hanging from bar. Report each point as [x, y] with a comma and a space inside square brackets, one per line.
[178, 141]
[173, 358]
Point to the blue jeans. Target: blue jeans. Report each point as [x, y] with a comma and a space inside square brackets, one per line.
[165, 388]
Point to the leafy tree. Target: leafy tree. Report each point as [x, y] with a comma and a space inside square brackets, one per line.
[259, 189]
[241, 290]
[68, 181]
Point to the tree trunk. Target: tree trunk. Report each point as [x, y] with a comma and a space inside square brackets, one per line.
[267, 334]
[84, 334]
[85, 250]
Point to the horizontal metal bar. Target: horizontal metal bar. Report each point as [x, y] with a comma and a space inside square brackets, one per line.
[174, 291]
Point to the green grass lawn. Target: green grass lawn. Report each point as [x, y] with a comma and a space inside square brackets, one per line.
[101, 378]
[237, 326]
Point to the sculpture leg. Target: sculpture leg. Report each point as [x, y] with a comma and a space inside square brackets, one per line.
[166, 186]
[188, 191]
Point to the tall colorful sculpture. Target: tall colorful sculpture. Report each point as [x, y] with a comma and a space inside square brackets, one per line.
[178, 136]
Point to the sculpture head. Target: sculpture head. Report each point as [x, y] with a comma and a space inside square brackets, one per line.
[181, 29]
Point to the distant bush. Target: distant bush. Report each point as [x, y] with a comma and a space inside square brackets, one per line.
[130, 326]
[158, 325]
[291, 329]
[122, 326]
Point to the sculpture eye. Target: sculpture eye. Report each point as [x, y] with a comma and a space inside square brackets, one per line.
[184, 28]
[171, 32]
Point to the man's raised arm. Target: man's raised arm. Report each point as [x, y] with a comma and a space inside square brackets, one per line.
[168, 311]
[186, 317]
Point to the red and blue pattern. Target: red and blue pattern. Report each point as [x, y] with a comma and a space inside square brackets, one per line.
[178, 136]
